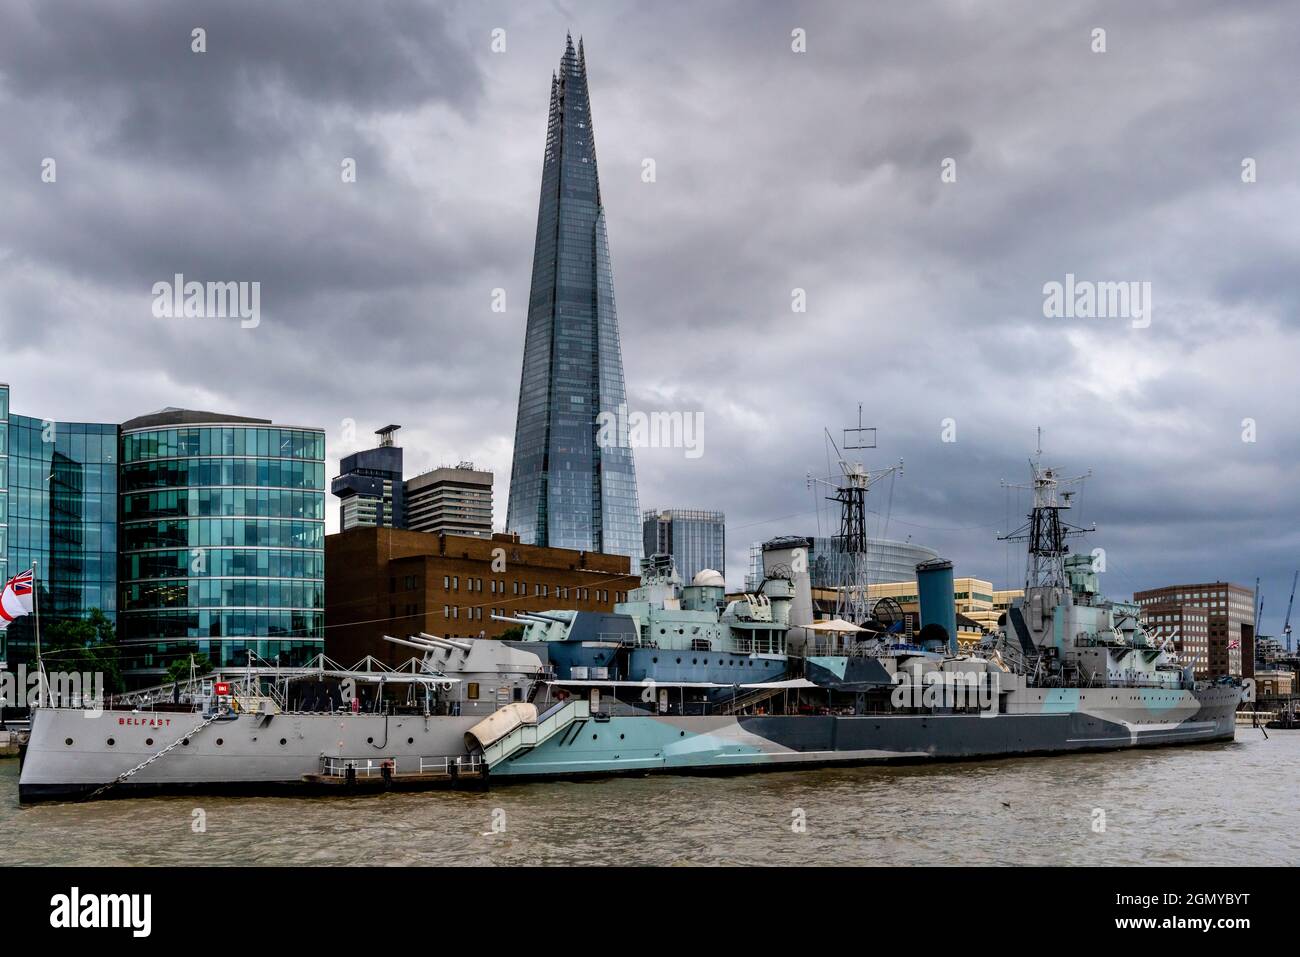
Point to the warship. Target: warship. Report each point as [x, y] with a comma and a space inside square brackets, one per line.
[678, 679]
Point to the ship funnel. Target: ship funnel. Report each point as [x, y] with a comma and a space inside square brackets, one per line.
[938, 607]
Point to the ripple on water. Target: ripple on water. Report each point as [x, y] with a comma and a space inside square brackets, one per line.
[1216, 804]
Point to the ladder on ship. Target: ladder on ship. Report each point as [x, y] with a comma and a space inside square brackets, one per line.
[736, 705]
[148, 761]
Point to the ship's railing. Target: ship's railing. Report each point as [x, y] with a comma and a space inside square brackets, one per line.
[363, 767]
[461, 762]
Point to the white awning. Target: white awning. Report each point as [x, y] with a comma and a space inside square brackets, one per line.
[836, 626]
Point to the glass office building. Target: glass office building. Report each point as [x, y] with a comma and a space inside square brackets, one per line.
[695, 539]
[568, 489]
[887, 560]
[221, 541]
[58, 509]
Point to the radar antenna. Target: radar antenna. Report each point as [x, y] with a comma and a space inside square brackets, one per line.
[1045, 531]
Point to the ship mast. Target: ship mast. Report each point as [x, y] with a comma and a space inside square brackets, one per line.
[851, 542]
[1046, 532]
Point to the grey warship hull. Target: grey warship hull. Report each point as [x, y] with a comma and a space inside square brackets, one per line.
[70, 755]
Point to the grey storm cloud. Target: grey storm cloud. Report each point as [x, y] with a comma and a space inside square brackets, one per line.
[775, 171]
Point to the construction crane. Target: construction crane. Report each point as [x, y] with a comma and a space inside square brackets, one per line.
[1259, 605]
[1286, 628]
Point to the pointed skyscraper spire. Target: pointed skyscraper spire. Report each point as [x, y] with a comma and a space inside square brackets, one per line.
[573, 484]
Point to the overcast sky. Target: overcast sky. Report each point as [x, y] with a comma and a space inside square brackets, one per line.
[774, 170]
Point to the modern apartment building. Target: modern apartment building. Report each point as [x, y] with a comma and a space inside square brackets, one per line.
[450, 500]
[369, 485]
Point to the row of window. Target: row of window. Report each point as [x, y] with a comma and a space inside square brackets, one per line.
[210, 440]
[224, 502]
[498, 587]
[228, 532]
[185, 473]
[215, 623]
[223, 562]
[223, 593]
[76, 442]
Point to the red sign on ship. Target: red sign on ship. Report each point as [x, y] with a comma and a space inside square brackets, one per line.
[223, 687]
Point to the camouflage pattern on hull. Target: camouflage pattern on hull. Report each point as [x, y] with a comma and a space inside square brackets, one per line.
[639, 744]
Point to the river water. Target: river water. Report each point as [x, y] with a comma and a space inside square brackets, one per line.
[1213, 804]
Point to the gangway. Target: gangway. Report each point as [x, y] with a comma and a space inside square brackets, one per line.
[518, 727]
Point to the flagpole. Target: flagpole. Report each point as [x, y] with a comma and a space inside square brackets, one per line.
[36, 611]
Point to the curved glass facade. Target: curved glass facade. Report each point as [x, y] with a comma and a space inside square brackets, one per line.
[222, 531]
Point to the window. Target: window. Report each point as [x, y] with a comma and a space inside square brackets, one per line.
[471, 691]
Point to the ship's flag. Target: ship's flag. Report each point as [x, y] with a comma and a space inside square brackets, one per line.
[16, 599]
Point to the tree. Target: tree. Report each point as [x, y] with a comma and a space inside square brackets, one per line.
[84, 645]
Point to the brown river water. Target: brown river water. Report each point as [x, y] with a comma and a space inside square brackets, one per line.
[1223, 804]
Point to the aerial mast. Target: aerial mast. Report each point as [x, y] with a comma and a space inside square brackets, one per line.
[851, 543]
[1046, 532]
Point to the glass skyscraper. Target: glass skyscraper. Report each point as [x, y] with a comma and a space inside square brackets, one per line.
[568, 488]
[695, 539]
[58, 508]
[222, 541]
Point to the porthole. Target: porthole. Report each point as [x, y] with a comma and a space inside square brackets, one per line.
[185, 743]
[283, 741]
[220, 741]
[410, 740]
[622, 736]
[654, 661]
[148, 742]
[695, 661]
[679, 661]
[682, 734]
[68, 742]
[111, 742]
[370, 740]
[593, 737]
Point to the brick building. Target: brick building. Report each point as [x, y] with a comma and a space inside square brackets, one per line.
[1229, 612]
[391, 581]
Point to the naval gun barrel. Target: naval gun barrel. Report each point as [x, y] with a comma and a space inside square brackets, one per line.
[514, 621]
[554, 619]
[445, 642]
[422, 645]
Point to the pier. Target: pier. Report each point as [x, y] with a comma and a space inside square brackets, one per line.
[385, 774]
